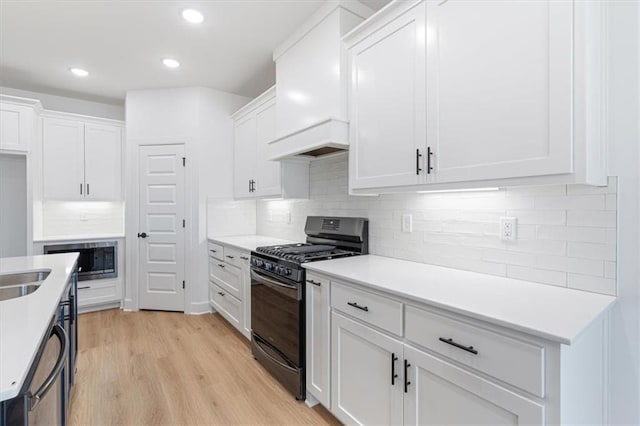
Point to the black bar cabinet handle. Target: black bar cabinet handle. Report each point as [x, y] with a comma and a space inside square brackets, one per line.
[315, 283]
[213, 251]
[429, 154]
[59, 332]
[406, 376]
[418, 155]
[394, 376]
[244, 258]
[84, 288]
[80, 189]
[221, 293]
[458, 345]
[87, 189]
[355, 305]
[230, 257]
[221, 265]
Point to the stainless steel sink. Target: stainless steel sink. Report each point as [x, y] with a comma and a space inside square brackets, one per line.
[23, 278]
[18, 285]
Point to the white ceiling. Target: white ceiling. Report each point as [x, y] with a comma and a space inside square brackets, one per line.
[121, 43]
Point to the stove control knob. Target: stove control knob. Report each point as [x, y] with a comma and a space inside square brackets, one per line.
[287, 271]
[258, 262]
[268, 266]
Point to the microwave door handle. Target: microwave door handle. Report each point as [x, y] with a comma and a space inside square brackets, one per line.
[260, 277]
[59, 332]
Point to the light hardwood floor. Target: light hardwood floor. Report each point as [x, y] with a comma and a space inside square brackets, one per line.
[161, 368]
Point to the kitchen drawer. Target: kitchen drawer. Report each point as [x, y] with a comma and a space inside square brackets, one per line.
[216, 251]
[317, 281]
[236, 257]
[97, 294]
[510, 360]
[376, 310]
[226, 276]
[226, 305]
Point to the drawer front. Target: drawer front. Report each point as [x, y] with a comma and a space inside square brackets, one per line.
[518, 363]
[216, 251]
[376, 310]
[97, 295]
[226, 305]
[226, 276]
[316, 281]
[236, 257]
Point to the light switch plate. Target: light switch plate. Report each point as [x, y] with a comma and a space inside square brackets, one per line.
[508, 228]
[407, 223]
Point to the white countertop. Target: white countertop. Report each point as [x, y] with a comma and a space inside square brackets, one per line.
[79, 237]
[249, 242]
[25, 320]
[555, 313]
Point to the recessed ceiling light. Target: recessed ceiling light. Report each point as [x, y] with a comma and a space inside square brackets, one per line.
[170, 63]
[193, 16]
[79, 72]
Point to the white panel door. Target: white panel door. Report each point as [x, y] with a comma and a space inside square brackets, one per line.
[362, 361]
[63, 159]
[162, 208]
[318, 312]
[440, 393]
[244, 156]
[499, 88]
[268, 174]
[387, 104]
[103, 162]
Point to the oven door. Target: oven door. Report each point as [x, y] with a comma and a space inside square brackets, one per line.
[276, 314]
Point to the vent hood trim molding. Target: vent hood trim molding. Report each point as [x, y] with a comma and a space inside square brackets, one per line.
[328, 133]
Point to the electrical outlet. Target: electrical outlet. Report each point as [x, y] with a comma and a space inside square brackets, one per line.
[407, 223]
[83, 216]
[508, 228]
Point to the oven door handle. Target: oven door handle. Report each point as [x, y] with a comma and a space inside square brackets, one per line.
[268, 355]
[260, 277]
[59, 332]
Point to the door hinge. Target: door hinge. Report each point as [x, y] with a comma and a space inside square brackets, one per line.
[184, 161]
[184, 223]
[182, 283]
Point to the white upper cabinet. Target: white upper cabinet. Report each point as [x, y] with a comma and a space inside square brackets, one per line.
[254, 175]
[311, 80]
[17, 123]
[387, 107]
[459, 94]
[81, 160]
[499, 89]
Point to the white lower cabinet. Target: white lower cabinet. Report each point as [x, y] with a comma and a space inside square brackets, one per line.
[318, 339]
[439, 393]
[230, 285]
[364, 363]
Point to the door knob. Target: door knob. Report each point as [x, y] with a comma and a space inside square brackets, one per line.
[142, 235]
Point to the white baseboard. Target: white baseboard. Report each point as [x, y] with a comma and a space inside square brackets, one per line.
[198, 308]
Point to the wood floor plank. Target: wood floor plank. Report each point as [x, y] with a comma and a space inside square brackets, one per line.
[163, 368]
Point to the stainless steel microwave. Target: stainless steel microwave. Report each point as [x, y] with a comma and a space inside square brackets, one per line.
[97, 260]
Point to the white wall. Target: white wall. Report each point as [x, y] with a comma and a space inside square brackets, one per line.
[72, 105]
[566, 233]
[13, 206]
[199, 118]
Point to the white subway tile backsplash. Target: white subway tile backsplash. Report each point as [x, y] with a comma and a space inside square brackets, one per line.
[62, 218]
[563, 230]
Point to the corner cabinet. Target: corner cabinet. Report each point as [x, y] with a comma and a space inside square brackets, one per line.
[517, 103]
[82, 159]
[391, 360]
[17, 123]
[254, 175]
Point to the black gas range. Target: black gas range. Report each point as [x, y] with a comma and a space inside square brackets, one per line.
[278, 291]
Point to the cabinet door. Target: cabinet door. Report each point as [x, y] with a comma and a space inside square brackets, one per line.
[103, 162]
[362, 362]
[246, 291]
[15, 127]
[499, 88]
[387, 104]
[63, 159]
[440, 393]
[268, 175]
[244, 156]
[318, 310]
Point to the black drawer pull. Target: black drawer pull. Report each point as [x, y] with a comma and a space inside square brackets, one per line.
[355, 305]
[458, 345]
[221, 265]
[213, 251]
[406, 376]
[230, 257]
[221, 293]
[394, 376]
[84, 288]
[244, 258]
[316, 283]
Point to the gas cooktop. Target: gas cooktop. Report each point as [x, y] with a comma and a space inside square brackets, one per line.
[305, 252]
